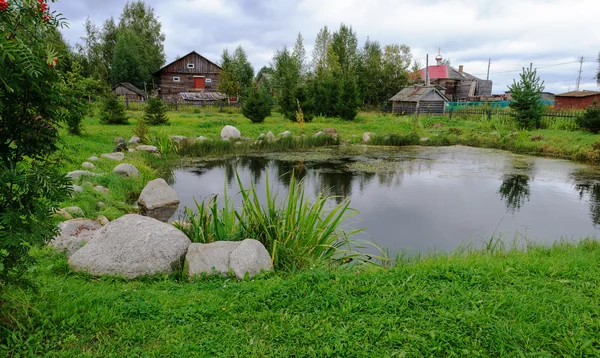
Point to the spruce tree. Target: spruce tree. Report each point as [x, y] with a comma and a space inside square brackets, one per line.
[113, 111]
[155, 112]
[527, 99]
[257, 105]
[349, 98]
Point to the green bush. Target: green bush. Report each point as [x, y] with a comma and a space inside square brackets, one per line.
[527, 103]
[257, 105]
[112, 111]
[155, 112]
[590, 119]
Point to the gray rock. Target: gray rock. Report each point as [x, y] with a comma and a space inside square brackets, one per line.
[114, 156]
[75, 211]
[249, 257]
[77, 189]
[102, 220]
[121, 147]
[63, 214]
[147, 148]
[177, 138]
[76, 174]
[366, 138]
[100, 204]
[226, 139]
[270, 137]
[131, 150]
[201, 139]
[74, 234]
[285, 134]
[230, 132]
[423, 140]
[93, 158]
[101, 189]
[126, 170]
[88, 165]
[158, 200]
[318, 134]
[134, 140]
[132, 246]
[262, 136]
[210, 258]
[330, 131]
[118, 140]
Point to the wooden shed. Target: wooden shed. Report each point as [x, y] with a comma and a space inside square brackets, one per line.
[576, 99]
[419, 99]
[129, 91]
[191, 73]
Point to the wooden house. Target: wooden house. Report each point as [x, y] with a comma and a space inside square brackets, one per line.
[459, 85]
[576, 99]
[129, 91]
[419, 99]
[192, 73]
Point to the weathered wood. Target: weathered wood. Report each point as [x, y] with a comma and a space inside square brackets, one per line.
[198, 66]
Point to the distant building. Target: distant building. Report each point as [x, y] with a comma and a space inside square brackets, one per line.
[419, 99]
[546, 96]
[129, 91]
[576, 99]
[459, 85]
[192, 74]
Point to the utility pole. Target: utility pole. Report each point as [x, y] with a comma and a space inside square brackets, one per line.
[427, 70]
[530, 66]
[487, 78]
[580, 70]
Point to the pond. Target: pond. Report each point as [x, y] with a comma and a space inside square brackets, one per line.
[424, 198]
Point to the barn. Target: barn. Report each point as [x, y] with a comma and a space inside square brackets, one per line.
[191, 73]
[419, 99]
[576, 99]
[129, 91]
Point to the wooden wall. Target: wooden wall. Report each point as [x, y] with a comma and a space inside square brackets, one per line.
[574, 102]
[202, 67]
[122, 91]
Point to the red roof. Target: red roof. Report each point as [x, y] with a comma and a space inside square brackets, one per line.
[436, 72]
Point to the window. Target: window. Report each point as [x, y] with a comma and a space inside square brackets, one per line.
[208, 80]
[176, 79]
[190, 65]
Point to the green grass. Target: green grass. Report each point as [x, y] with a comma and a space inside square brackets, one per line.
[540, 303]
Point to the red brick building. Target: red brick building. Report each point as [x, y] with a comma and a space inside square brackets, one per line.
[576, 99]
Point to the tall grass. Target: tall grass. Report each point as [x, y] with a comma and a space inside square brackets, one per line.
[296, 231]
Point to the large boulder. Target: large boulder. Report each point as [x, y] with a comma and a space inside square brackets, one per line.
[158, 200]
[132, 246]
[114, 156]
[230, 132]
[242, 257]
[74, 234]
[126, 170]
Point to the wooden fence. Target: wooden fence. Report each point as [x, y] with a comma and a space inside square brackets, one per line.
[186, 106]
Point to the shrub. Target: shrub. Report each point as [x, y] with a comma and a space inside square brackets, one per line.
[141, 130]
[590, 119]
[155, 112]
[527, 103]
[257, 105]
[112, 111]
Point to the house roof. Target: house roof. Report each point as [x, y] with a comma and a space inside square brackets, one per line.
[579, 94]
[202, 96]
[181, 58]
[446, 72]
[416, 93]
[132, 88]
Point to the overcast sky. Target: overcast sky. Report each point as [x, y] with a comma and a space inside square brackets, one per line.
[551, 34]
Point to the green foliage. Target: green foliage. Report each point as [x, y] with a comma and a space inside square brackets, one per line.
[228, 82]
[113, 111]
[590, 119]
[76, 93]
[141, 130]
[257, 105]
[32, 102]
[348, 101]
[288, 84]
[126, 65]
[155, 112]
[244, 73]
[527, 103]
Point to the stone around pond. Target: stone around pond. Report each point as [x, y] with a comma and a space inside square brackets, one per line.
[134, 140]
[132, 246]
[118, 140]
[366, 138]
[88, 165]
[101, 189]
[250, 258]
[230, 132]
[158, 200]
[285, 134]
[201, 139]
[93, 158]
[75, 211]
[270, 137]
[102, 220]
[126, 170]
[74, 234]
[63, 214]
[177, 138]
[121, 147]
[330, 131]
[147, 148]
[114, 156]
[76, 174]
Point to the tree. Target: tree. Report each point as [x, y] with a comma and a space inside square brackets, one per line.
[76, 91]
[590, 119]
[112, 111]
[598, 73]
[257, 105]
[396, 63]
[228, 83]
[321, 49]
[527, 99]
[299, 54]
[287, 82]
[155, 112]
[370, 73]
[31, 103]
[345, 43]
[349, 100]
[242, 70]
[126, 63]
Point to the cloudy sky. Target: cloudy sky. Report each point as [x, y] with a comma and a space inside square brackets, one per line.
[551, 34]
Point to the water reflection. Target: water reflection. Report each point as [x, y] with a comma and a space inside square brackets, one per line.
[593, 192]
[515, 191]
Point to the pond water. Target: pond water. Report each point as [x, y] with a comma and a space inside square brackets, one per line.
[424, 198]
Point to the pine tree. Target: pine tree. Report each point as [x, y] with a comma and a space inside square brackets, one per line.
[155, 112]
[527, 99]
[349, 98]
[113, 111]
[257, 105]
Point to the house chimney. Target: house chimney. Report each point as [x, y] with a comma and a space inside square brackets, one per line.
[460, 69]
